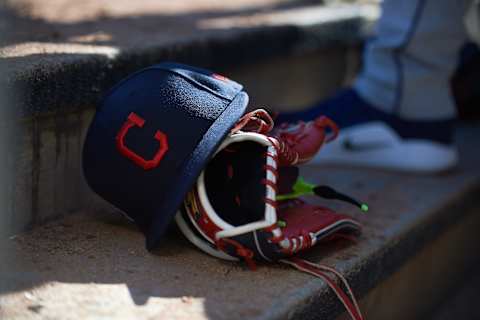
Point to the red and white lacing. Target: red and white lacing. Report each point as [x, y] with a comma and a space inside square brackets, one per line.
[260, 121]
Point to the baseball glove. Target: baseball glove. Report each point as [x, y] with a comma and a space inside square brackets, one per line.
[245, 204]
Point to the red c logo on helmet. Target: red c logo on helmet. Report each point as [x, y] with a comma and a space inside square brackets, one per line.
[135, 120]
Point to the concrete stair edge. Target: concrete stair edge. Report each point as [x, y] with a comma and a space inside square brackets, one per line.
[377, 265]
[392, 239]
[70, 82]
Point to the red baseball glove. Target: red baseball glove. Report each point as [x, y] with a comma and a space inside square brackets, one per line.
[245, 204]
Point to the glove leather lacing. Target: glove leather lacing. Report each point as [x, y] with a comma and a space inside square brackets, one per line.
[240, 251]
[260, 121]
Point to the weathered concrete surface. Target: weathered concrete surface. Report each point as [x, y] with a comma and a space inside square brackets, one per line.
[461, 303]
[94, 266]
[5, 175]
[105, 28]
[297, 81]
[69, 61]
[48, 175]
[420, 286]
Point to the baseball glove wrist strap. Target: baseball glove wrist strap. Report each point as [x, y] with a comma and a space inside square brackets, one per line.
[347, 298]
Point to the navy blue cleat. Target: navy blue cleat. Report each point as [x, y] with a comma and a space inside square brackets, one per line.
[373, 138]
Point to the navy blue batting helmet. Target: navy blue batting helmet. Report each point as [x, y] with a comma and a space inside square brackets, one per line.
[151, 137]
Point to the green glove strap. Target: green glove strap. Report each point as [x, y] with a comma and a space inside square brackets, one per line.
[300, 188]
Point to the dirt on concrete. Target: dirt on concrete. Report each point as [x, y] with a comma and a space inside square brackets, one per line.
[94, 265]
[62, 55]
[37, 27]
[99, 262]
[117, 23]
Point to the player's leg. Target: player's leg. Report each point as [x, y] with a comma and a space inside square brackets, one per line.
[400, 111]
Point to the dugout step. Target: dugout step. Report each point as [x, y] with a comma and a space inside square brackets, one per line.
[419, 241]
[69, 61]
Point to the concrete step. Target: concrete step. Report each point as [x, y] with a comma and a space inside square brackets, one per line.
[461, 303]
[69, 62]
[420, 239]
[286, 53]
